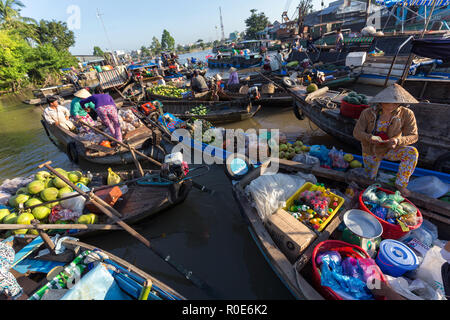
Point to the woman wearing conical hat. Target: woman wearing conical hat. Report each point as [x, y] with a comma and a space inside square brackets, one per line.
[387, 131]
[77, 112]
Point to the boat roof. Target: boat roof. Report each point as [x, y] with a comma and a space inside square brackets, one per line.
[141, 66]
[432, 48]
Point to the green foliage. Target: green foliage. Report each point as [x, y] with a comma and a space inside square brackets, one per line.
[13, 51]
[167, 41]
[56, 33]
[45, 60]
[255, 23]
[10, 10]
[155, 47]
[98, 52]
[145, 52]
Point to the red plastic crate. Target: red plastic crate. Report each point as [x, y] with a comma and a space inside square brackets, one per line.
[351, 110]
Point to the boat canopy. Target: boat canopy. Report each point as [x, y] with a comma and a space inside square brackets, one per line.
[410, 3]
[432, 48]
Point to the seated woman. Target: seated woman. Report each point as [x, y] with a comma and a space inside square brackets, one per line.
[106, 109]
[78, 113]
[387, 131]
[198, 83]
[233, 82]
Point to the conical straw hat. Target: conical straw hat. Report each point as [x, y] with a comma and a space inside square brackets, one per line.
[82, 94]
[394, 94]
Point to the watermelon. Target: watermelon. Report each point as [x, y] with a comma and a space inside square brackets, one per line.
[312, 87]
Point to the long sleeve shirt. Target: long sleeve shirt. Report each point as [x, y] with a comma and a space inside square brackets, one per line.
[99, 100]
[234, 79]
[77, 110]
[59, 115]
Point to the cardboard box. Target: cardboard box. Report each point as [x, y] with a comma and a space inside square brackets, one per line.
[289, 234]
[110, 196]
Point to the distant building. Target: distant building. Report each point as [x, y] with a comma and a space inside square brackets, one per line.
[90, 59]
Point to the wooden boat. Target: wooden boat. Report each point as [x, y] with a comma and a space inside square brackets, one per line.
[77, 149]
[219, 112]
[124, 282]
[236, 62]
[322, 108]
[40, 95]
[297, 276]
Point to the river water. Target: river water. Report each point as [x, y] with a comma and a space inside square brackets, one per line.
[206, 234]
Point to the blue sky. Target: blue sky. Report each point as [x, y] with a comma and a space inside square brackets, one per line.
[132, 23]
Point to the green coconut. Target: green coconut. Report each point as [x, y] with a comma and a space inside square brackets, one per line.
[35, 187]
[64, 191]
[32, 202]
[85, 181]
[94, 218]
[52, 205]
[22, 191]
[41, 213]
[33, 232]
[283, 147]
[59, 183]
[10, 219]
[312, 88]
[62, 172]
[298, 150]
[42, 176]
[25, 218]
[84, 219]
[19, 199]
[4, 213]
[48, 183]
[75, 176]
[49, 194]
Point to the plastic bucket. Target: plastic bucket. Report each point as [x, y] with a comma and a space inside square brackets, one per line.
[395, 258]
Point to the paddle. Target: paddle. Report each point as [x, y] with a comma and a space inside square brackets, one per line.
[114, 214]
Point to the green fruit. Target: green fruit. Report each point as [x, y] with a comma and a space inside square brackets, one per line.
[20, 232]
[306, 149]
[4, 213]
[22, 191]
[16, 201]
[10, 219]
[85, 181]
[62, 172]
[94, 218]
[298, 144]
[35, 187]
[85, 219]
[59, 183]
[42, 176]
[282, 155]
[41, 213]
[349, 157]
[64, 191]
[33, 232]
[75, 177]
[356, 164]
[48, 183]
[52, 205]
[312, 87]
[25, 218]
[49, 194]
[283, 147]
[298, 150]
[32, 202]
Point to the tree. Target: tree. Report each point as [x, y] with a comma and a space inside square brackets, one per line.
[98, 52]
[305, 7]
[167, 41]
[255, 23]
[13, 69]
[155, 47]
[56, 33]
[10, 19]
[145, 52]
[10, 10]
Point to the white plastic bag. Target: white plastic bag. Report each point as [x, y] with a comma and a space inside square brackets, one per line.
[430, 186]
[270, 193]
[307, 159]
[414, 290]
[74, 204]
[430, 270]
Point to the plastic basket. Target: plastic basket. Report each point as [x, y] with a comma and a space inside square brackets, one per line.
[345, 250]
[307, 187]
[391, 231]
[351, 110]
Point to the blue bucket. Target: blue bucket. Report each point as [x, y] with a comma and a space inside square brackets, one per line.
[395, 258]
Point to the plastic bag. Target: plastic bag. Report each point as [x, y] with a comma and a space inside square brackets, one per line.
[113, 178]
[430, 270]
[415, 290]
[270, 193]
[307, 159]
[322, 153]
[4, 197]
[430, 186]
[337, 158]
[75, 204]
[11, 186]
[370, 195]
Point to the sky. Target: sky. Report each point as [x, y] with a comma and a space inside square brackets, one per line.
[130, 24]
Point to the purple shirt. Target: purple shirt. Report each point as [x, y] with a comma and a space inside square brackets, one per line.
[100, 100]
[234, 78]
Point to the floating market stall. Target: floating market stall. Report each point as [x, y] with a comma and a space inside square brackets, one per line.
[101, 275]
[307, 249]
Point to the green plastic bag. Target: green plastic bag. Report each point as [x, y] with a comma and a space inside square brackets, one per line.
[113, 178]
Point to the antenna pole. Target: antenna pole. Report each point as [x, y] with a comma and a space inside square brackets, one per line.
[221, 24]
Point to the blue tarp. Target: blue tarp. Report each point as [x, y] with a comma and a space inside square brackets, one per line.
[140, 66]
[410, 3]
[432, 48]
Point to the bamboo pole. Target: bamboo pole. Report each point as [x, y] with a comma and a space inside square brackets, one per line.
[103, 227]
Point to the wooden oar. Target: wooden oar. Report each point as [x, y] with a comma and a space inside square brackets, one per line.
[102, 227]
[114, 214]
[121, 143]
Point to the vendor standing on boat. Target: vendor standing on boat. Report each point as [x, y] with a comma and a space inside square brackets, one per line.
[78, 113]
[57, 115]
[106, 109]
[339, 40]
[387, 131]
[233, 81]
